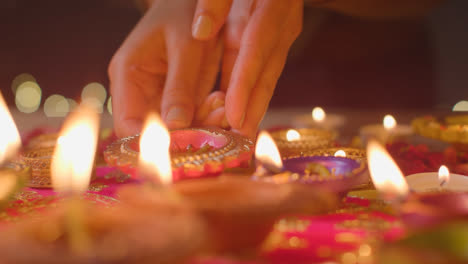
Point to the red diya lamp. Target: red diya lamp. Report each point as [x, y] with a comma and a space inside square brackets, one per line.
[195, 152]
[418, 206]
[327, 168]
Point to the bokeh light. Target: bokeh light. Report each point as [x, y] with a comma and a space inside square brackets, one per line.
[460, 106]
[56, 106]
[28, 97]
[109, 105]
[94, 90]
[20, 79]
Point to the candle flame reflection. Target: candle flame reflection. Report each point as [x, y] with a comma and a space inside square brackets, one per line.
[154, 159]
[389, 122]
[386, 175]
[318, 114]
[74, 153]
[444, 175]
[266, 151]
[340, 153]
[10, 141]
[293, 135]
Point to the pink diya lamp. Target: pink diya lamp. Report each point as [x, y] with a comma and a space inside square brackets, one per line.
[196, 152]
[334, 172]
[12, 175]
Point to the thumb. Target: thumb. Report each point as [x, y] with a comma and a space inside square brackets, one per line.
[210, 16]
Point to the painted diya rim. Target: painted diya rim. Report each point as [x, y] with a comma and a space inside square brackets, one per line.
[311, 138]
[225, 150]
[451, 128]
[352, 153]
[39, 161]
[356, 176]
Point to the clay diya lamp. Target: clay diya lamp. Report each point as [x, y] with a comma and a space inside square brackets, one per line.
[195, 152]
[240, 213]
[122, 234]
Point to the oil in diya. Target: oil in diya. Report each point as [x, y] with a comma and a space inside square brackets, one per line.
[321, 167]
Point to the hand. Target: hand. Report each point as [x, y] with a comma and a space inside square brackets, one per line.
[257, 38]
[160, 67]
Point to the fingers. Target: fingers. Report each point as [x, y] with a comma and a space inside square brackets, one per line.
[233, 31]
[265, 86]
[214, 101]
[178, 100]
[209, 69]
[258, 42]
[137, 77]
[210, 16]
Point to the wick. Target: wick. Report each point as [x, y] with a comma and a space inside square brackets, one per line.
[442, 183]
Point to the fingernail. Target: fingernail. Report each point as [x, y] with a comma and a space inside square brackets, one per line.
[178, 116]
[217, 103]
[224, 123]
[202, 27]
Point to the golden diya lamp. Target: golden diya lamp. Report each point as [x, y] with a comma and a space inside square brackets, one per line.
[388, 131]
[80, 232]
[319, 119]
[297, 141]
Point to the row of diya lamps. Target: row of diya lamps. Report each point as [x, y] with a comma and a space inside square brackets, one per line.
[165, 222]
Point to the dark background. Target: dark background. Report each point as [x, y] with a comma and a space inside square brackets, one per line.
[338, 61]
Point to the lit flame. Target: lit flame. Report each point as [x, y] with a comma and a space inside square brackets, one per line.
[389, 122]
[10, 141]
[386, 175]
[73, 158]
[154, 159]
[444, 175]
[318, 114]
[266, 151]
[293, 135]
[340, 153]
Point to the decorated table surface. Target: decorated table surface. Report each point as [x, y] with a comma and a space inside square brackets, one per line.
[371, 222]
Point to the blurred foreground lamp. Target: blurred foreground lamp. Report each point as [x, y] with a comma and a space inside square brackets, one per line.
[71, 169]
[12, 175]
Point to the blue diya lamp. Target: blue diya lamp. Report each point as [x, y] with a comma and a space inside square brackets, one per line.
[320, 168]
